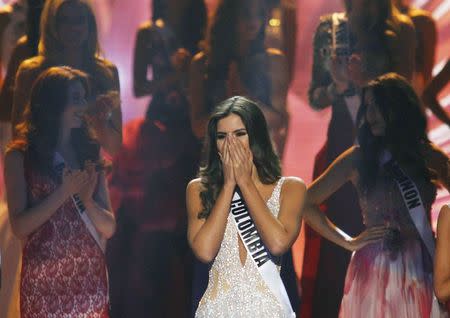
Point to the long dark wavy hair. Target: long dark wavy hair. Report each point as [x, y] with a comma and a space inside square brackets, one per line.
[265, 158]
[406, 128]
[223, 39]
[33, 19]
[38, 134]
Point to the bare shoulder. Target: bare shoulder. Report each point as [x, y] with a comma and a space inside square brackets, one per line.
[198, 66]
[145, 26]
[194, 187]
[108, 71]
[294, 184]
[275, 53]
[418, 14]
[445, 213]
[22, 42]
[31, 67]
[199, 59]
[405, 24]
[193, 200]
[444, 218]
[276, 57]
[109, 65]
[144, 31]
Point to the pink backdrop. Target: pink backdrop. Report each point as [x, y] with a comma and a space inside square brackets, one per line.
[119, 19]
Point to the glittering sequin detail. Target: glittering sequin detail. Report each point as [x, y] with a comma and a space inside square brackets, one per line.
[235, 290]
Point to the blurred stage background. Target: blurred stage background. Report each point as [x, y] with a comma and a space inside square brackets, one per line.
[119, 19]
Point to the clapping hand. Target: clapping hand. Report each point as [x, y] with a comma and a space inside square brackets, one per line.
[73, 181]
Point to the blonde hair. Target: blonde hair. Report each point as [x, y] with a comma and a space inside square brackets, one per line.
[50, 46]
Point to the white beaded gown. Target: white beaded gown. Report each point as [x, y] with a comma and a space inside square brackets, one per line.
[234, 290]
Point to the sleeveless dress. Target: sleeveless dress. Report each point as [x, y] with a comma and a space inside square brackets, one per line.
[235, 290]
[325, 263]
[391, 278]
[63, 268]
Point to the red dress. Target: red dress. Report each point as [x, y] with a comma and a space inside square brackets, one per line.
[63, 268]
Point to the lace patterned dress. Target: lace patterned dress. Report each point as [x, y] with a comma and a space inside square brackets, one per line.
[63, 268]
[235, 290]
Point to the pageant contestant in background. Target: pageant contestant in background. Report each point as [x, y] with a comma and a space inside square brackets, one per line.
[442, 259]
[243, 215]
[236, 62]
[395, 170]
[12, 27]
[385, 40]
[25, 48]
[431, 93]
[58, 202]
[426, 40]
[149, 259]
[159, 48]
[69, 37]
[350, 48]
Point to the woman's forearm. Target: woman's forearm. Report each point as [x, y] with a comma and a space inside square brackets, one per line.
[206, 243]
[272, 231]
[442, 290]
[28, 221]
[103, 220]
[322, 225]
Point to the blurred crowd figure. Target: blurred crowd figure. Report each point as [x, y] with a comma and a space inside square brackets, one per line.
[236, 62]
[149, 260]
[431, 93]
[187, 65]
[12, 27]
[426, 39]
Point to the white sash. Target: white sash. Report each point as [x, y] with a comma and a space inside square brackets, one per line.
[81, 209]
[259, 253]
[413, 202]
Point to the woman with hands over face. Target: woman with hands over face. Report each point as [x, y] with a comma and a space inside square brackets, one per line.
[58, 202]
[241, 163]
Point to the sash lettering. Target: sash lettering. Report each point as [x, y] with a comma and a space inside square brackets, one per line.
[413, 201]
[251, 237]
[258, 252]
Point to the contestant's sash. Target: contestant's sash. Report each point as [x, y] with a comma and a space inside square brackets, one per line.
[259, 253]
[414, 203]
[87, 221]
[81, 209]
